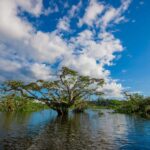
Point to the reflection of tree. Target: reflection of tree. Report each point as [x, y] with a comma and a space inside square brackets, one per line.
[77, 131]
[13, 127]
[11, 119]
[19, 129]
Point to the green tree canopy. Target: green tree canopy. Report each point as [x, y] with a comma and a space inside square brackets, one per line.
[67, 87]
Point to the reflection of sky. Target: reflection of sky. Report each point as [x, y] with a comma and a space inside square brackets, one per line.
[138, 134]
[19, 124]
[41, 117]
[20, 128]
[110, 127]
[39, 120]
[109, 130]
[127, 132]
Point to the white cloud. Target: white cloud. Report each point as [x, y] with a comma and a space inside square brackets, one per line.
[11, 25]
[64, 24]
[48, 47]
[86, 66]
[93, 10]
[41, 71]
[113, 90]
[32, 6]
[75, 9]
[27, 53]
[101, 50]
[8, 65]
[53, 8]
[114, 15]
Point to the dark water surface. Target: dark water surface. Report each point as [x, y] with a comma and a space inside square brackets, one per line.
[87, 131]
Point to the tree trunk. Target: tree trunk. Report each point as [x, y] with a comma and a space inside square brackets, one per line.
[61, 108]
[61, 112]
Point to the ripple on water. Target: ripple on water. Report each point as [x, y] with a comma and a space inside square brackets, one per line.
[89, 130]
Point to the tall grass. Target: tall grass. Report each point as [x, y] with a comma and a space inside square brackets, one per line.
[15, 103]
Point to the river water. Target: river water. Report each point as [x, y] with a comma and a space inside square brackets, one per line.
[43, 130]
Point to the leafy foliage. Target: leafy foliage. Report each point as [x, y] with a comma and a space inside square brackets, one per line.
[61, 93]
[80, 106]
[136, 104]
[14, 103]
[105, 103]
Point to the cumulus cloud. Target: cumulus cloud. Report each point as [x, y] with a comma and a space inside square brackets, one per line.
[11, 25]
[75, 9]
[102, 49]
[28, 53]
[86, 66]
[52, 8]
[64, 24]
[34, 7]
[47, 47]
[92, 11]
[41, 71]
[8, 65]
[112, 90]
[114, 15]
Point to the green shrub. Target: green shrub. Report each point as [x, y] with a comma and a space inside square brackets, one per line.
[79, 106]
[15, 103]
[137, 104]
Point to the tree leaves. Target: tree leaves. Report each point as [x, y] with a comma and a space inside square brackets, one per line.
[67, 88]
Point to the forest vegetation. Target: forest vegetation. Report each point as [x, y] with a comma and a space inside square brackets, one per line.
[68, 90]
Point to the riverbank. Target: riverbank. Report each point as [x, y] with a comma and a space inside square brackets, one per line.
[136, 105]
[105, 104]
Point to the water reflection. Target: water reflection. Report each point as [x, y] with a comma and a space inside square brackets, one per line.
[17, 130]
[90, 131]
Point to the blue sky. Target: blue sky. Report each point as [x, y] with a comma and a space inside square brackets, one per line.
[133, 68]
[107, 39]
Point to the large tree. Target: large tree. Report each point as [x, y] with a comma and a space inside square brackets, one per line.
[63, 91]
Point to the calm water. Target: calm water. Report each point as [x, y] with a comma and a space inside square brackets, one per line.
[88, 131]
